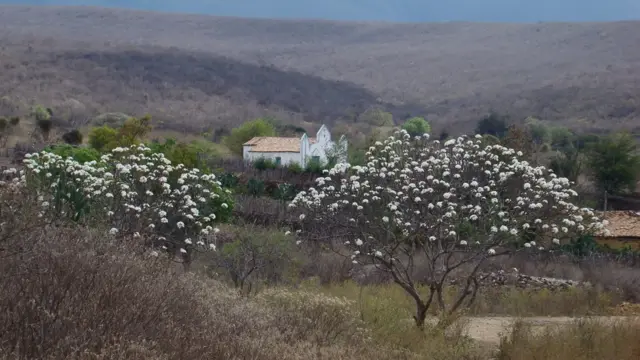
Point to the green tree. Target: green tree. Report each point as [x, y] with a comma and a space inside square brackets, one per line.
[492, 124]
[377, 117]
[103, 138]
[134, 130]
[561, 138]
[567, 164]
[417, 126]
[538, 130]
[247, 131]
[615, 163]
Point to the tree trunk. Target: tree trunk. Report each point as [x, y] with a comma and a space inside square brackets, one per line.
[421, 314]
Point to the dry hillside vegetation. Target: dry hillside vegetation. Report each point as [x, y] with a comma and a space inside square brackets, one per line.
[201, 70]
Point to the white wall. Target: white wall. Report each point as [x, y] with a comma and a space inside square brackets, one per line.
[286, 158]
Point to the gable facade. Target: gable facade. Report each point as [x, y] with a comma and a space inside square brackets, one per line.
[285, 151]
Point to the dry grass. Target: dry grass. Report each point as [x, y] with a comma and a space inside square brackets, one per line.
[582, 340]
[504, 301]
[582, 74]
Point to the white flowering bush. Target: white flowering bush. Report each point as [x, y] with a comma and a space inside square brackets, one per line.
[453, 204]
[138, 193]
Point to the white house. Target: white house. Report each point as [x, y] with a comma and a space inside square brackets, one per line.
[285, 150]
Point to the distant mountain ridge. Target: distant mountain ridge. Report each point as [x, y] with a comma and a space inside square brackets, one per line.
[198, 70]
[386, 10]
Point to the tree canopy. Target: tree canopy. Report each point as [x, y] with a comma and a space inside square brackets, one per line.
[247, 131]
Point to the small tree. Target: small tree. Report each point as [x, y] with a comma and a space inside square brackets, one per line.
[247, 131]
[416, 126]
[254, 254]
[455, 205]
[538, 130]
[567, 164]
[614, 163]
[376, 117]
[103, 138]
[133, 131]
[73, 137]
[492, 124]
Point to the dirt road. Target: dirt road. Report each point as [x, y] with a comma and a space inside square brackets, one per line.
[490, 329]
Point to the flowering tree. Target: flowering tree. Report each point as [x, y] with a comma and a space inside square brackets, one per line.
[138, 193]
[455, 204]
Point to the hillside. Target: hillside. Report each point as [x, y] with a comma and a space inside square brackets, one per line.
[198, 71]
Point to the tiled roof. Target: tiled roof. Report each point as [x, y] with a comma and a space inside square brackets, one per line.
[622, 223]
[274, 144]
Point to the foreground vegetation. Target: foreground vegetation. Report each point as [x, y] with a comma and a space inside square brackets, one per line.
[128, 247]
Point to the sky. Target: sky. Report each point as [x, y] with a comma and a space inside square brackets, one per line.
[386, 10]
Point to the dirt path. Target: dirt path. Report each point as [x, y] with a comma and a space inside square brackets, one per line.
[490, 329]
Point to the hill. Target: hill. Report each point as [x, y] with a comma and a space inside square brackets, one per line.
[198, 70]
[399, 10]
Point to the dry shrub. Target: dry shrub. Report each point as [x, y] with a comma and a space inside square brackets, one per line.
[581, 340]
[70, 293]
[313, 315]
[75, 293]
[328, 267]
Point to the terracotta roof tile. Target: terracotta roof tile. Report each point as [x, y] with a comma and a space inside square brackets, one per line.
[622, 223]
[274, 144]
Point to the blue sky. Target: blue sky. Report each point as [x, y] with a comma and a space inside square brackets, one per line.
[388, 10]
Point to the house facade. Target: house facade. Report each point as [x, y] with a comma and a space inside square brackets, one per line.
[623, 230]
[285, 151]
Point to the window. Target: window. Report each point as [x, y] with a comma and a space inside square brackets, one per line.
[278, 160]
[315, 158]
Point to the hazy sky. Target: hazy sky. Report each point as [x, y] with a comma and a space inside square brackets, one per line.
[390, 10]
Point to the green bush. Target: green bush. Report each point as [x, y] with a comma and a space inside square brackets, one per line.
[264, 164]
[103, 138]
[191, 155]
[285, 192]
[314, 167]
[417, 126]
[295, 168]
[79, 154]
[255, 187]
[246, 132]
[228, 180]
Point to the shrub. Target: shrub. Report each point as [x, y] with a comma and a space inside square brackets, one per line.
[416, 126]
[229, 180]
[136, 192]
[73, 137]
[191, 155]
[295, 168]
[255, 187]
[285, 192]
[103, 138]
[255, 254]
[264, 164]
[79, 154]
[314, 167]
[493, 124]
[457, 203]
[306, 314]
